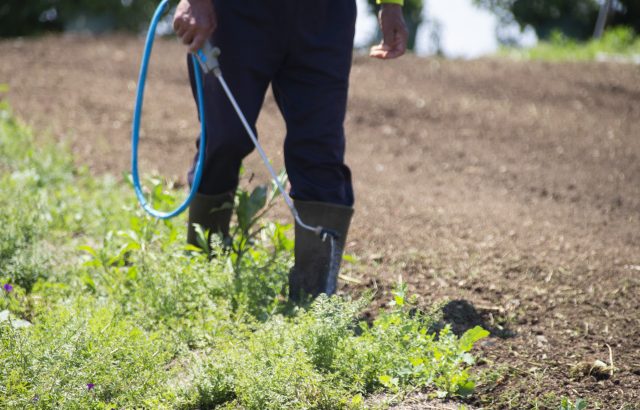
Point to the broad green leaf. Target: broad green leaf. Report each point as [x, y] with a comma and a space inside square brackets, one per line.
[468, 358]
[384, 379]
[258, 199]
[242, 210]
[466, 389]
[192, 248]
[581, 404]
[416, 361]
[280, 239]
[88, 281]
[88, 249]
[249, 206]
[388, 381]
[470, 337]
[357, 399]
[201, 238]
[282, 178]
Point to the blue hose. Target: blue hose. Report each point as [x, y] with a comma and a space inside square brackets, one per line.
[135, 133]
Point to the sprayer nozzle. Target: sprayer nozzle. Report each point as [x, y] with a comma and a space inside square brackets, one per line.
[324, 233]
[207, 56]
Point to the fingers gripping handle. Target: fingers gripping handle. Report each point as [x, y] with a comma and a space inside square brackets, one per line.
[207, 56]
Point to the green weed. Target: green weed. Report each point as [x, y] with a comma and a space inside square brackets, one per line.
[102, 306]
[579, 404]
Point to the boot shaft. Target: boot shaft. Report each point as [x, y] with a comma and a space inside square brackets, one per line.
[317, 261]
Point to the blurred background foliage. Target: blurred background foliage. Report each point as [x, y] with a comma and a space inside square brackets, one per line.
[573, 18]
[616, 44]
[20, 18]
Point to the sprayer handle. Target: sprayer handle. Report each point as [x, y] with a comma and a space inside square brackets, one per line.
[207, 56]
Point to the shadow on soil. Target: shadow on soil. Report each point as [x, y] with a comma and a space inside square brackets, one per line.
[462, 316]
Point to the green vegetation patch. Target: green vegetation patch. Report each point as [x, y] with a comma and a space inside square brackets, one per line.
[104, 307]
[620, 43]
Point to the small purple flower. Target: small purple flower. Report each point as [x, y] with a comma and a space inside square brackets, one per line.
[90, 386]
[7, 288]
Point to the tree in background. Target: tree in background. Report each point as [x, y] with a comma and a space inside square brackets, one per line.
[20, 17]
[412, 11]
[573, 18]
[626, 13]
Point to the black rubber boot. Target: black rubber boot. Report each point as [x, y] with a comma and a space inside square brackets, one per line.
[213, 213]
[314, 271]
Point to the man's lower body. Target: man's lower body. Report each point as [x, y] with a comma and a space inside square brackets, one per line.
[303, 49]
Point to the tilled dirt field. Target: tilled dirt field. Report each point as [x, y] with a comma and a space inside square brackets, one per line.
[510, 188]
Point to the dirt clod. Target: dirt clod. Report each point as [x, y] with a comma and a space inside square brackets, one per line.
[597, 369]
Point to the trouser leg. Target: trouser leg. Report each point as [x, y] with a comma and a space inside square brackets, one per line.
[248, 62]
[227, 141]
[251, 51]
[311, 89]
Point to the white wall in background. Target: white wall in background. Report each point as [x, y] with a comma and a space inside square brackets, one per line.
[366, 25]
[467, 31]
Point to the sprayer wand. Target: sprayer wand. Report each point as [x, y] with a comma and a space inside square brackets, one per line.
[207, 56]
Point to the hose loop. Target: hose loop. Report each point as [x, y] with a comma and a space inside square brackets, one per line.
[135, 132]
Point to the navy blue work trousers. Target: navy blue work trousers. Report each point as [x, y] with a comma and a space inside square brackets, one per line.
[303, 48]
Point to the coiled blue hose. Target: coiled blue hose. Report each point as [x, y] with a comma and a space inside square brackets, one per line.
[323, 233]
[137, 114]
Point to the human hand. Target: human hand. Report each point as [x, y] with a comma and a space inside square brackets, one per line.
[194, 22]
[394, 33]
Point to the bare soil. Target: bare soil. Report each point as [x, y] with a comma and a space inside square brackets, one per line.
[510, 188]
